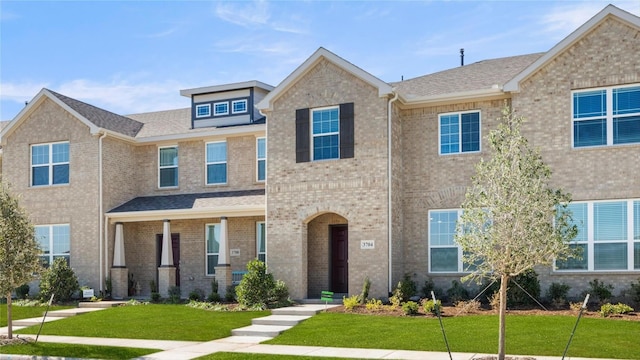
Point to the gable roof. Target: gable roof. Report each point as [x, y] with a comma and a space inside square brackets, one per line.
[481, 78]
[609, 11]
[322, 53]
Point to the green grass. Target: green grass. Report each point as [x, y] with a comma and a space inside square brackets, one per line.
[76, 351]
[243, 356]
[161, 322]
[526, 335]
[25, 312]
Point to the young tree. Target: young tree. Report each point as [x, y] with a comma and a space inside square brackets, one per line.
[19, 250]
[512, 219]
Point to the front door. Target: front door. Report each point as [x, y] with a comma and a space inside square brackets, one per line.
[175, 244]
[339, 236]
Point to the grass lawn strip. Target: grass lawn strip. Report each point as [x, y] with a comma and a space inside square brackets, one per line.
[25, 312]
[159, 322]
[76, 351]
[243, 356]
[526, 335]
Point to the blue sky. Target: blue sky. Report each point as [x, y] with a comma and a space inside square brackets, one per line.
[135, 56]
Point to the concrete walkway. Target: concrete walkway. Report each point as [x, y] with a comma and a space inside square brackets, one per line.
[244, 340]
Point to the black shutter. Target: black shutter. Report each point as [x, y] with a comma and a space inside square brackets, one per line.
[302, 135]
[346, 131]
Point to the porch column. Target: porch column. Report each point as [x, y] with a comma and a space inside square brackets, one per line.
[223, 270]
[166, 271]
[119, 271]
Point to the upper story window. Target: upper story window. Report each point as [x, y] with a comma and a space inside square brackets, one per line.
[261, 241]
[608, 236]
[221, 108]
[213, 247]
[168, 166]
[261, 158]
[54, 242]
[459, 132]
[203, 110]
[607, 116]
[325, 133]
[216, 162]
[50, 164]
[238, 106]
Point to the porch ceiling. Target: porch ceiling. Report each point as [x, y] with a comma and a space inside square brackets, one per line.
[191, 206]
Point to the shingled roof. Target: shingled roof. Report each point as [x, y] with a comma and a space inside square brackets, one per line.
[482, 75]
[102, 118]
[192, 201]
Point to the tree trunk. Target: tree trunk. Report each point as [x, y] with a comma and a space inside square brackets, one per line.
[9, 321]
[504, 281]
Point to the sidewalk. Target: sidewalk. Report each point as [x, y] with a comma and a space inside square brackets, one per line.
[183, 350]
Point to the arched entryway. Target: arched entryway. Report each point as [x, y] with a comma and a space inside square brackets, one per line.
[327, 255]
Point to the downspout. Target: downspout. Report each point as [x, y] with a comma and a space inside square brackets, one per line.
[266, 172]
[100, 228]
[389, 206]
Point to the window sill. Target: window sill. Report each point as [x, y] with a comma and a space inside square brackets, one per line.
[216, 185]
[47, 186]
[168, 188]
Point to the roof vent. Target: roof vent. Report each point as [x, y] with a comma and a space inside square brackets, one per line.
[462, 57]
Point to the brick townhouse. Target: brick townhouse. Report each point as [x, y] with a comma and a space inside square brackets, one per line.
[365, 178]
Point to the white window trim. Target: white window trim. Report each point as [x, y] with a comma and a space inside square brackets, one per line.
[206, 253]
[50, 164]
[258, 223]
[313, 136]
[429, 246]
[591, 240]
[215, 110]
[51, 254]
[608, 116]
[258, 159]
[207, 106]
[207, 163]
[169, 167]
[459, 152]
[234, 102]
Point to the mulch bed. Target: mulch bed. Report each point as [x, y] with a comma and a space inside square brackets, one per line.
[4, 340]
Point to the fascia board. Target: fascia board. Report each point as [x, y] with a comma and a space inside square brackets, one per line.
[384, 88]
[226, 87]
[182, 214]
[513, 85]
[258, 129]
[454, 97]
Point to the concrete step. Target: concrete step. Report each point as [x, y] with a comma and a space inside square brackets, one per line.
[100, 304]
[282, 320]
[335, 301]
[71, 312]
[301, 310]
[260, 330]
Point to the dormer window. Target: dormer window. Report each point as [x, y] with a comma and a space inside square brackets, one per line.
[238, 106]
[203, 110]
[221, 108]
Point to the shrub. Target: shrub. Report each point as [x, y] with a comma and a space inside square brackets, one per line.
[410, 308]
[529, 282]
[428, 287]
[408, 287]
[428, 306]
[610, 309]
[58, 279]
[575, 306]
[600, 290]
[362, 298]
[174, 295]
[457, 292]
[155, 297]
[259, 289]
[494, 300]
[468, 306]
[374, 305]
[557, 293]
[22, 291]
[634, 291]
[230, 295]
[196, 295]
[350, 302]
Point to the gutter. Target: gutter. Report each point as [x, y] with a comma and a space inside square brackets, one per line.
[389, 180]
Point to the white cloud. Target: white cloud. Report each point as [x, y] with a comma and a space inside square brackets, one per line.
[246, 14]
[20, 92]
[566, 18]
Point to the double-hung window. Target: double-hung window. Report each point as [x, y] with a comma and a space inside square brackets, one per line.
[221, 108]
[444, 254]
[212, 234]
[238, 106]
[607, 116]
[326, 133]
[261, 158]
[54, 242]
[261, 241]
[50, 164]
[459, 132]
[216, 162]
[203, 110]
[168, 166]
[608, 236]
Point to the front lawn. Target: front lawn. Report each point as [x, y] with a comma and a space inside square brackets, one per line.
[25, 312]
[243, 356]
[526, 334]
[161, 322]
[76, 351]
